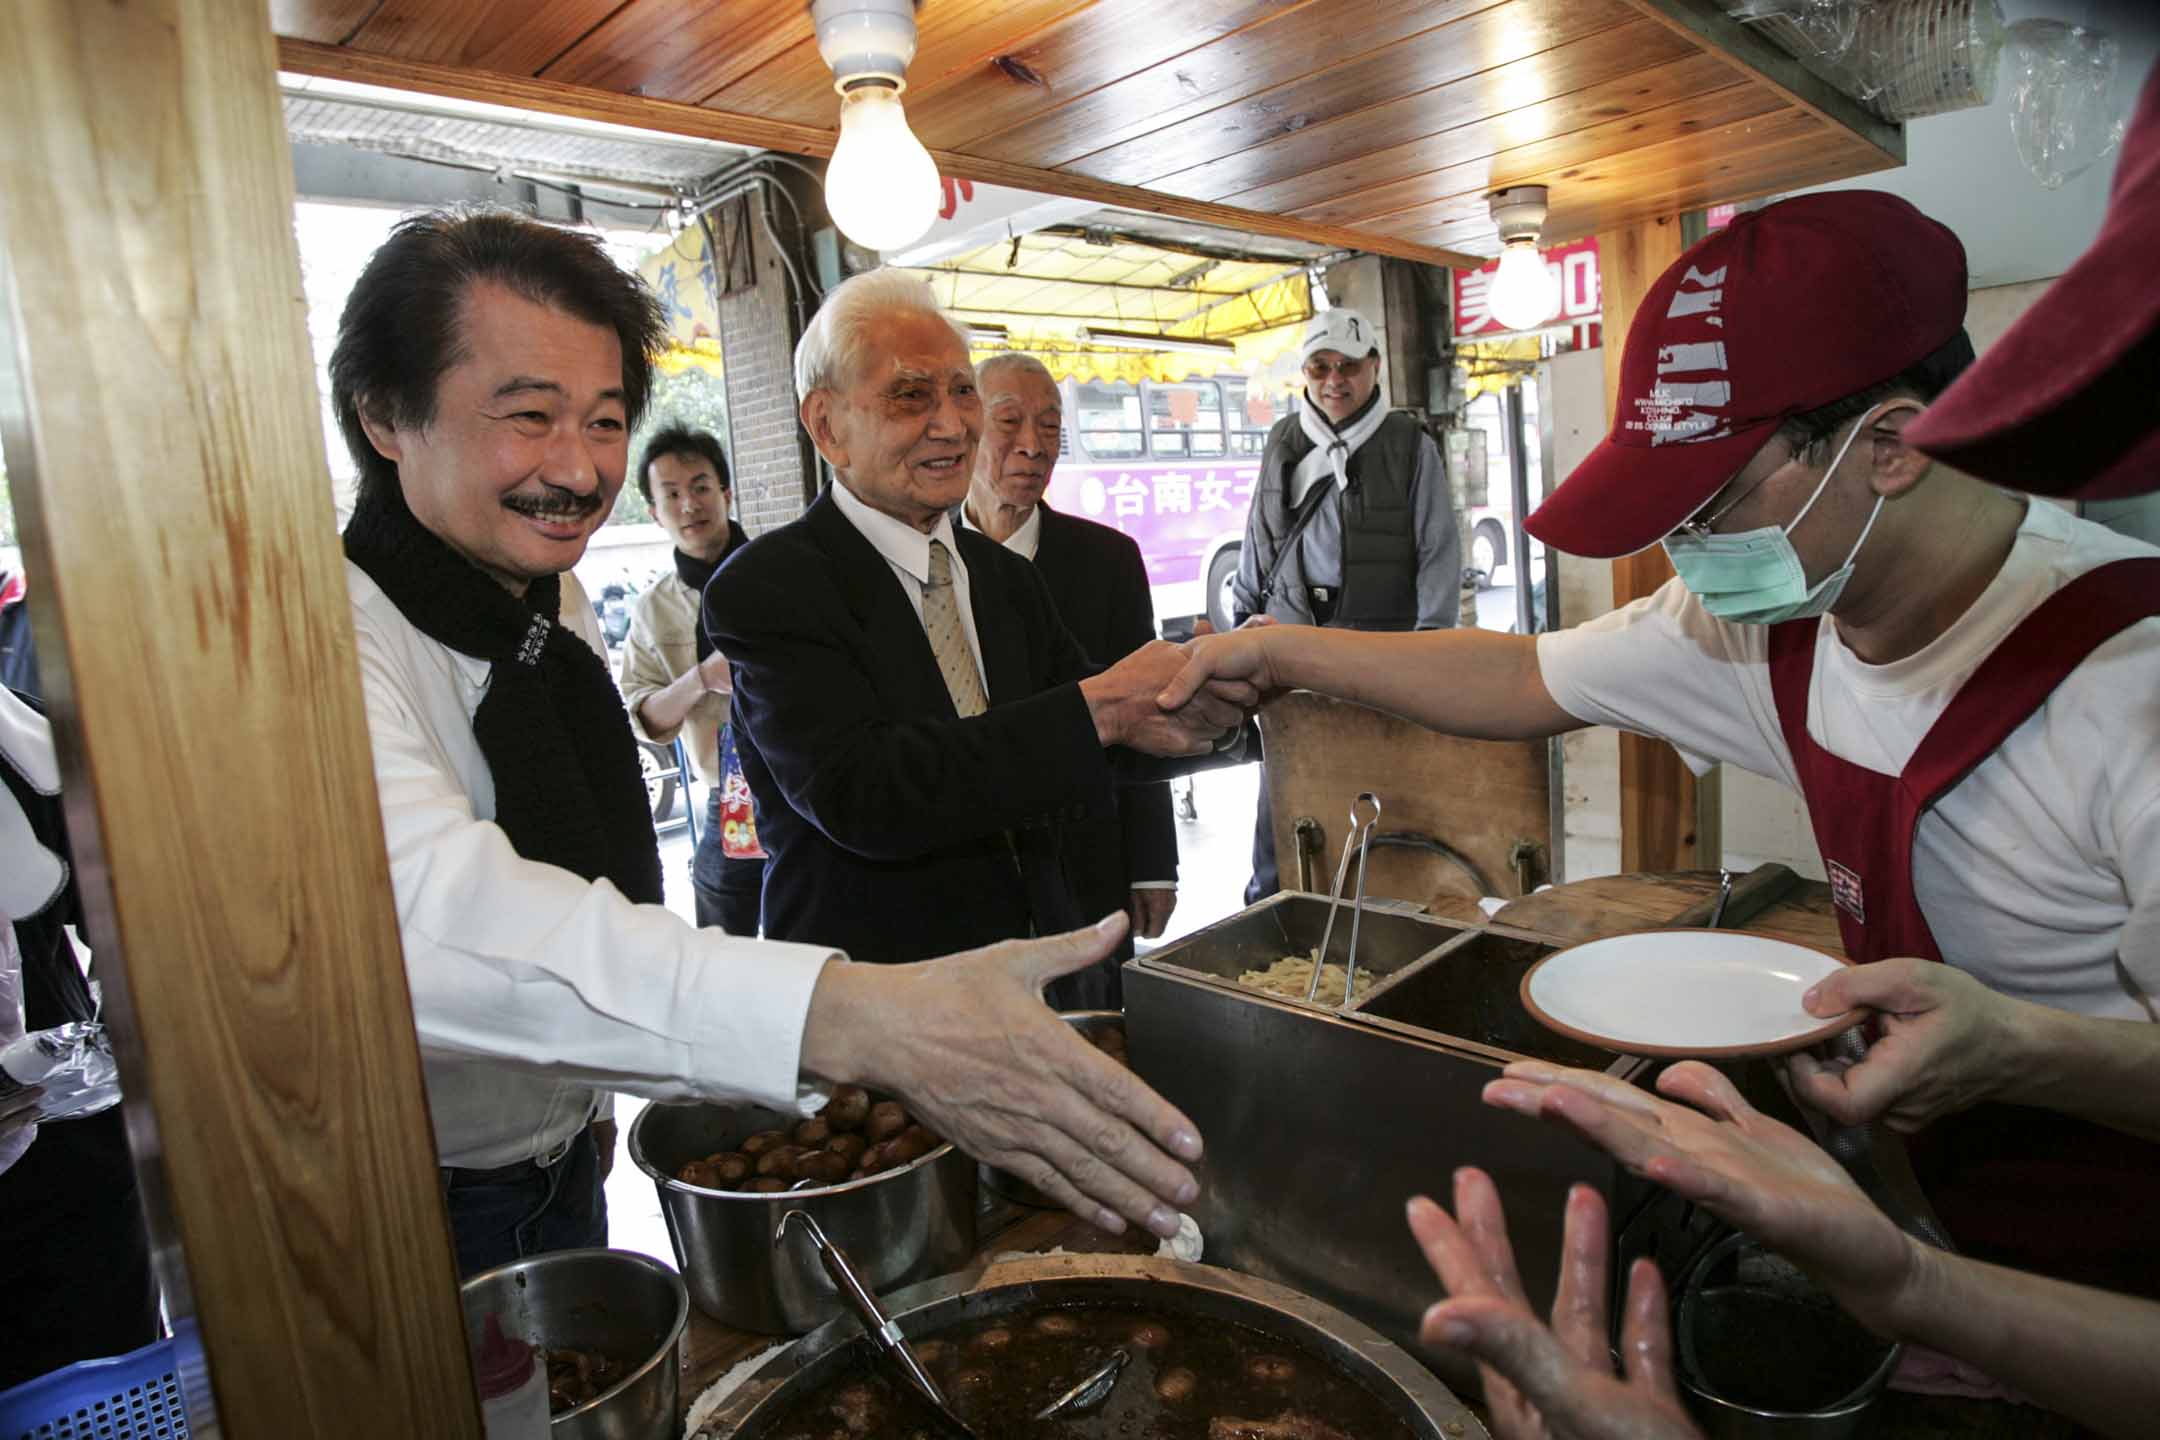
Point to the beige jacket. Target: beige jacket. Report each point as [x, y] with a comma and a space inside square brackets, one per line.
[661, 645]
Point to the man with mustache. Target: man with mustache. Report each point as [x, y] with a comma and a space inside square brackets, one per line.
[1352, 523]
[1099, 584]
[487, 372]
[917, 724]
[673, 681]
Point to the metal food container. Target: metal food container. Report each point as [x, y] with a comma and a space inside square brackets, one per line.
[625, 1306]
[1195, 1292]
[1321, 1122]
[1012, 1187]
[898, 1227]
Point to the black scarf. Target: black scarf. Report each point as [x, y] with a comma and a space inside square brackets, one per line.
[552, 727]
[697, 574]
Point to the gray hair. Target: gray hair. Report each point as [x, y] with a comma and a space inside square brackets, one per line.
[1014, 360]
[827, 352]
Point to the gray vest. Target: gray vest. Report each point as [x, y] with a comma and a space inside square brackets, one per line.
[1379, 540]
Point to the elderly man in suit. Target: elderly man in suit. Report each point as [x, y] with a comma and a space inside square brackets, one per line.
[1099, 583]
[916, 723]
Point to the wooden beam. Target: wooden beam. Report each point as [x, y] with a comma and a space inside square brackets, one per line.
[164, 444]
[1657, 793]
[1733, 41]
[701, 122]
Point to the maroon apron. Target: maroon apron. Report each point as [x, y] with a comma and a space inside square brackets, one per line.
[2015, 1185]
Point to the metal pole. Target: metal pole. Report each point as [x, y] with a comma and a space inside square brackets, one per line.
[1519, 493]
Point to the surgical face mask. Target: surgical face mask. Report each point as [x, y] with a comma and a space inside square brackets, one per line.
[1755, 577]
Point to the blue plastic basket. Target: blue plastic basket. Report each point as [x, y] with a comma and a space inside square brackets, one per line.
[136, 1396]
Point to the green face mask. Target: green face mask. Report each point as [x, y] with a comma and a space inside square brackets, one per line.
[1755, 577]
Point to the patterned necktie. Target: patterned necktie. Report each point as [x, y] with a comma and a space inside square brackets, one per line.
[941, 621]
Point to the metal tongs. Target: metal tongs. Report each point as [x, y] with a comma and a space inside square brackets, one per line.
[883, 1333]
[1363, 841]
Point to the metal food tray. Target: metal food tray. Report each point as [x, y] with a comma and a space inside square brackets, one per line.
[1321, 1122]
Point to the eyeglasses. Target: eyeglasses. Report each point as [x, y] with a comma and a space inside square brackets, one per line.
[1705, 527]
[1319, 370]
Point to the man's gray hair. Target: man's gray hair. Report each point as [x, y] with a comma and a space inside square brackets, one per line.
[1014, 360]
[826, 354]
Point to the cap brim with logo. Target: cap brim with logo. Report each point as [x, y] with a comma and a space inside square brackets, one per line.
[2063, 403]
[1784, 311]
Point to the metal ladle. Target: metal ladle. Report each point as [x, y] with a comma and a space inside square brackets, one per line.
[1342, 874]
[883, 1333]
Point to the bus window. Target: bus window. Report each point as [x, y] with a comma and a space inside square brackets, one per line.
[1109, 420]
[1251, 413]
[1185, 420]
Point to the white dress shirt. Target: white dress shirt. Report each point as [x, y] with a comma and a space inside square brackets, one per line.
[1022, 542]
[907, 550]
[532, 987]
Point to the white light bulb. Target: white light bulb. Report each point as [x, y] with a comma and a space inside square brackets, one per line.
[881, 186]
[1525, 293]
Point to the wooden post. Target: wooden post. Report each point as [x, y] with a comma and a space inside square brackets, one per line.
[163, 442]
[1657, 794]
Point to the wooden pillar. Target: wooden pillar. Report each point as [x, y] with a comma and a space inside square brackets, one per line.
[163, 442]
[1658, 828]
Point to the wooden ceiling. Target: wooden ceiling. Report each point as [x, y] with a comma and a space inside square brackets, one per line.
[1375, 124]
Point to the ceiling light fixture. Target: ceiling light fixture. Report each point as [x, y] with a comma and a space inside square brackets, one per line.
[1524, 293]
[1141, 340]
[881, 186]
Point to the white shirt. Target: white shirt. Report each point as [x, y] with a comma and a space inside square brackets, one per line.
[907, 550]
[532, 986]
[2040, 872]
[1024, 541]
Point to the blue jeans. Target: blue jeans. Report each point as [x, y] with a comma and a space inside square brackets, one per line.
[517, 1211]
[730, 893]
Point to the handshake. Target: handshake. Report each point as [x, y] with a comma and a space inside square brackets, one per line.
[1190, 699]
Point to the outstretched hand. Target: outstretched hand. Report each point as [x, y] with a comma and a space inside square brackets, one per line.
[968, 1044]
[1736, 1162]
[1556, 1382]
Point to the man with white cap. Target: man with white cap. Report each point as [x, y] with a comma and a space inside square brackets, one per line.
[1351, 523]
[1965, 687]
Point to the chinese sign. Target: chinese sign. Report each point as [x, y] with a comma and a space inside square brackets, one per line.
[1574, 265]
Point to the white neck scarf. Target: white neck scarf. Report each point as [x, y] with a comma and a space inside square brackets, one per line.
[1332, 448]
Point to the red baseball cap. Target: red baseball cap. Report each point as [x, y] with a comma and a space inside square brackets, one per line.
[2063, 403]
[1785, 310]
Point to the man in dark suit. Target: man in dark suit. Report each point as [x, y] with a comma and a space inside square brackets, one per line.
[916, 723]
[1099, 583]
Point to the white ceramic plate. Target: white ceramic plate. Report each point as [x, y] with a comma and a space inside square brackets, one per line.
[1678, 993]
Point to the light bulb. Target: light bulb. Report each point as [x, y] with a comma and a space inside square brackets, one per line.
[1524, 294]
[881, 186]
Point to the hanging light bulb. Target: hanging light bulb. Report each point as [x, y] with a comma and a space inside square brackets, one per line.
[881, 186]
[1524, 294]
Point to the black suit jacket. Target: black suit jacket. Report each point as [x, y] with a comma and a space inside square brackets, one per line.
[1100, 586]
[897, 830]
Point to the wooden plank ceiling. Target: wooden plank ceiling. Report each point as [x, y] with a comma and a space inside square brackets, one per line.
[1379, 124]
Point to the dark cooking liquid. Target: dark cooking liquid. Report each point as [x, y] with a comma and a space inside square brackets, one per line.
[997, 1373]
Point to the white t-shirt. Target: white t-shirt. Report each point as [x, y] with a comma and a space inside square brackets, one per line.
[2040, 872]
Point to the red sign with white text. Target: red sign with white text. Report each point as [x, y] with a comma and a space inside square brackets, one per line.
[1581, 301]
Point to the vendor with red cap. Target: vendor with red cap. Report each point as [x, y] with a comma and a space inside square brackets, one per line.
[1964, 685]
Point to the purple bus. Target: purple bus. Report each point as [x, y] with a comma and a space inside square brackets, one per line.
[1172, 465]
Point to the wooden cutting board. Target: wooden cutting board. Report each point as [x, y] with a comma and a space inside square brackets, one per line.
[1621, 904]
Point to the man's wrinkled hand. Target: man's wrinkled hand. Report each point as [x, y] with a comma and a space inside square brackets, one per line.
[1947, 1041]
[1150, 911]
[967, 1043]
[1232, 669]
[1122, 700]
[1556, 1382]
[1736, 1162]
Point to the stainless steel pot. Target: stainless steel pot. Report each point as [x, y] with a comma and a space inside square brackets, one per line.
[628, 1307]
[1199, 1292]
[898, 1227]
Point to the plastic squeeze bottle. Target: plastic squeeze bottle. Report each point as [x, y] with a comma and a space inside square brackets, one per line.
[513, 1391]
